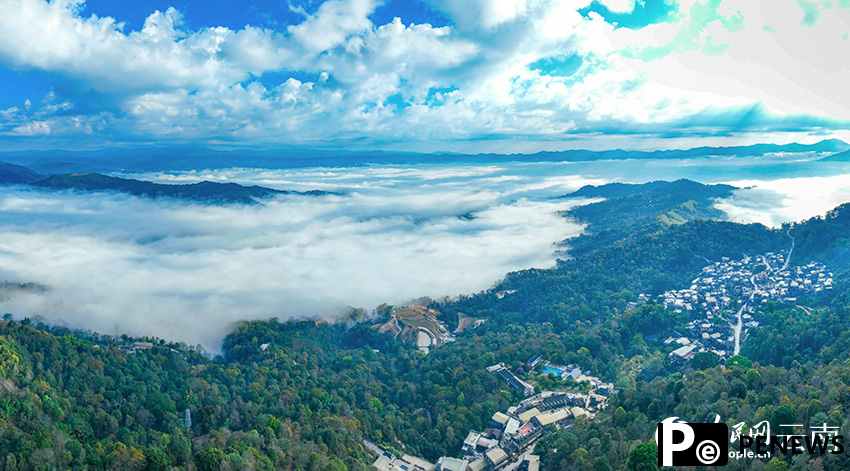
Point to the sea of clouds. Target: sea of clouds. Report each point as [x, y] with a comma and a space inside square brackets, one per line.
[185, 271]
[786, 199]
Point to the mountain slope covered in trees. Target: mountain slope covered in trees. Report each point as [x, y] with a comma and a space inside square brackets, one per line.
[303, 395]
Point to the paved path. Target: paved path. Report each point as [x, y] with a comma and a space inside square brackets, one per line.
[737, 327]
[793, 241]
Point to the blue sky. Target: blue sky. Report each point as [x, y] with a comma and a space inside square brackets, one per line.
[437, 75]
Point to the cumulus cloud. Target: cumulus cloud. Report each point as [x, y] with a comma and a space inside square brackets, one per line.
[483, 13]
[32, 128]
[619, 6]
[181, 271]
[338, 76]
[777, 53]
[333, 23]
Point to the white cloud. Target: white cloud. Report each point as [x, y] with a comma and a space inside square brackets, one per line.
[358, 83]
[183, 271]
[120, 264]
[785, 200]
[484, 13]
[619, 6]
[333, 23]
[34, 128]
[748, 52]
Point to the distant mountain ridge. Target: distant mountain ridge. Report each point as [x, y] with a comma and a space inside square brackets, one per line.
[206, 191]
[617, 190]
[11, 174]
[194, 158]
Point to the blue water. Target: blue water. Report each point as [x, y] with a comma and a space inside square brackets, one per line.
[550, 369]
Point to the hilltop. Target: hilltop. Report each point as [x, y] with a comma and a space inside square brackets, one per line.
[201, 191]
[634, 209]
[205, 191]
[11, 174]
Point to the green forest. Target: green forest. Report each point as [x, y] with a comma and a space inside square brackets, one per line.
[303, 395]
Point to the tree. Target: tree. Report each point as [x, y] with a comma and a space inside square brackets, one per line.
[601, 464]
[739, 361]
[209, 459]
[156, 460]
[11, 463]
[783, 415]
[705, 360]
[179, 448]
[579, 457]
[644, 457]
[775, 464]
[753, 377]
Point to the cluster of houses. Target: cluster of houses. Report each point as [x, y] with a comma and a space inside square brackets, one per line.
[421, 326]
[730, 288]
[763, 277]
[509, 440]
[685, 348]
[512, 434]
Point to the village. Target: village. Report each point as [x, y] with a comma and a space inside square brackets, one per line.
[724, 298]
[508, 443]
[721, 303]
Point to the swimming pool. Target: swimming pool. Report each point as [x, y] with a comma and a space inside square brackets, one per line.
[551, 369]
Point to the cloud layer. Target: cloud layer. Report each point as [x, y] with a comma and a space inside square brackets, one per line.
[120, 264]
[786, 199]
[530, 71]
[184, 271]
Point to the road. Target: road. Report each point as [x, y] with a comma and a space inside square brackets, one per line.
[766, 263]
[738, 326]
[793, 241]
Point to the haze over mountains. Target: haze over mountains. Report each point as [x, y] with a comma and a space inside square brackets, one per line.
[78, 170]
[193, 158]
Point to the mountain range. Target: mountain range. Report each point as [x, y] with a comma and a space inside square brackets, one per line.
[191, 157]
[206, 191]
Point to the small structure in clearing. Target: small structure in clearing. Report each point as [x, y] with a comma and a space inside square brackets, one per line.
[418, 325]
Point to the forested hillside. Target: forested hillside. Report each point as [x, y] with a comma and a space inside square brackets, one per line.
[303, 395]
